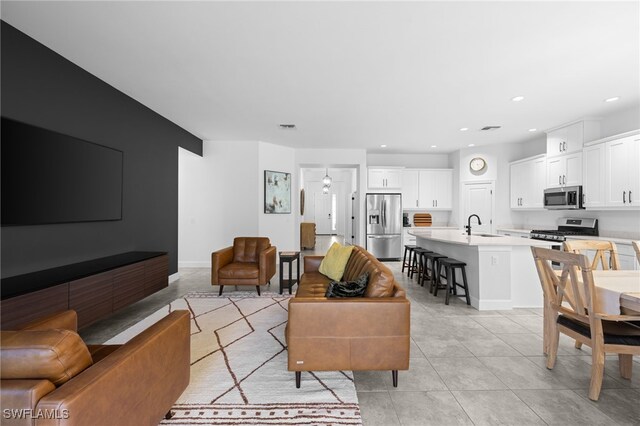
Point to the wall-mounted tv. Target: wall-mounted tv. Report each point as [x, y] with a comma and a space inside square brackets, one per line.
[48, 177]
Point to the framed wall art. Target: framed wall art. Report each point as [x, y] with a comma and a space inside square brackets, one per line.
[277, 192]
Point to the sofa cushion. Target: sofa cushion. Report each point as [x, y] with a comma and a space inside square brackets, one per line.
[55, 355]
[335, 261]
[381, 281]
[239, 271]
[312, 284]
[247, 249]
[354, 288]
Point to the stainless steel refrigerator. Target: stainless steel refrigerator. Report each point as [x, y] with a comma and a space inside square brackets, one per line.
[384, 225]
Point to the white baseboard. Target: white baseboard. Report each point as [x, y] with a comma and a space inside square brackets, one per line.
[174, 277]
[491, 305]
[194, 264]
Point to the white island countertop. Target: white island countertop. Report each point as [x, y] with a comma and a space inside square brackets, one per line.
[457, 236]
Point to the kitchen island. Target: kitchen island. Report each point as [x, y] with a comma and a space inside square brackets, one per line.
[500, 269]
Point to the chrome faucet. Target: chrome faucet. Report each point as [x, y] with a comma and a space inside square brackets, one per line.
[468, 227]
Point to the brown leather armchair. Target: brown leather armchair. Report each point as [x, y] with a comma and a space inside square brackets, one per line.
[50, 377]
[249, 261]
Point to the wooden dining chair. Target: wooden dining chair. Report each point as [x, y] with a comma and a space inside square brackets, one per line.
[636, 247]
[606, 255]
[606, 252]
[571, 309]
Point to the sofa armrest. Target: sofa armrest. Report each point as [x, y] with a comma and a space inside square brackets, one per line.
[21, 395]
[66, 320]
[312, 263]
[348, 334]
[136, 384]
[219, 259]
[267, 264]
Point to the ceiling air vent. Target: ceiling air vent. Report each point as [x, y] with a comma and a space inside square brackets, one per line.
[489, 128]
[288, 126]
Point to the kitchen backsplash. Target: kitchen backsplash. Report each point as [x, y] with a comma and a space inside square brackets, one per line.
[618, 224]
[438, 218]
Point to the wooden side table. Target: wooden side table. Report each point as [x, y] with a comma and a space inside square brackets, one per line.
[289, 257]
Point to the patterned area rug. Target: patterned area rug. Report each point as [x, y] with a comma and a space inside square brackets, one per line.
[239, 367]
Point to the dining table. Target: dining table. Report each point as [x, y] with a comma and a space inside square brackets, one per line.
[617, 292]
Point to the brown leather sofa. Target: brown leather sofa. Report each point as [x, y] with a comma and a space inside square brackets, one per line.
[50, 377]
[249, 261]
[356, 333]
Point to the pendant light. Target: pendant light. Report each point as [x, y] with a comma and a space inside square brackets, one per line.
[325, 189]
[326, 180]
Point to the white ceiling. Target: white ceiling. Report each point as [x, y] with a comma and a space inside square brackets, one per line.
[354, 75]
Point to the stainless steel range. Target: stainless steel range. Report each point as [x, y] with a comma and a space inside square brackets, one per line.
[567, 227]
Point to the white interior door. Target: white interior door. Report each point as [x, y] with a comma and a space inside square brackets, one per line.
[478, 199]
[322, 213]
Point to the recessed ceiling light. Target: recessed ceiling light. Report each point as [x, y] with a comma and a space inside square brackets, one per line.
[464, 129]
[517, 98]
[615, 98]
[532, 130]
[288, 126]
[472, 144]
[383, 146]
[434, 146]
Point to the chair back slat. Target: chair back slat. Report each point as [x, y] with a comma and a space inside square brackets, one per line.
[636, 247]
[606, 252]
[570, 289]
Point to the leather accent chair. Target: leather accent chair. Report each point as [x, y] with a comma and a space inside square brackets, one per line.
[350, 333]
[50, 377]
[249, 261]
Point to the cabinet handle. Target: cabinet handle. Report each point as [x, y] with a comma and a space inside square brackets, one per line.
[564, 179]
[564, 146]
[624, 197]
[559, 146]
[559, 180]
[416, 203]
[629, 197]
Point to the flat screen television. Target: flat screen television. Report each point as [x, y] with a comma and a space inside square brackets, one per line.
[48, 177]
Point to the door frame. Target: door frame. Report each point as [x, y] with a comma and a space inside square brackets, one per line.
[461, 217]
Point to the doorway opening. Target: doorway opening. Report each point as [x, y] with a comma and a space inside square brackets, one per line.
[331, 211]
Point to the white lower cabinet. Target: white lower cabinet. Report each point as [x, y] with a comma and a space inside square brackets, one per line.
[627, 257]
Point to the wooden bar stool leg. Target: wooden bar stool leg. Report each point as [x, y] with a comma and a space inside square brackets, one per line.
[435, 277]
[448, 269]
[404, 258]
[466, 285]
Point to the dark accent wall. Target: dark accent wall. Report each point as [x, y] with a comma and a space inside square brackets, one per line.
[42, 88]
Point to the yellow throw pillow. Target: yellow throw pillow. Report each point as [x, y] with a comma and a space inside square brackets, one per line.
[335, 261]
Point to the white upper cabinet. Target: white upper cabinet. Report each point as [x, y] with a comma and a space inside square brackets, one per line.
[410, 189]
[565, 170]
[622, 180]
[384, 178]
[593, 167]
[570, 139]
[435, 189]
[527, 178]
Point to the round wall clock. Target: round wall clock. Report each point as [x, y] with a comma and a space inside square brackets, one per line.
[478, 163]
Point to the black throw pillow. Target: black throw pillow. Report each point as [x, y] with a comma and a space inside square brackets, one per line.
[348, 289]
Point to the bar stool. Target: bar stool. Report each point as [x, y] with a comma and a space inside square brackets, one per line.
[407, 248]
[450, 266]
[434, 270]
[419, 255]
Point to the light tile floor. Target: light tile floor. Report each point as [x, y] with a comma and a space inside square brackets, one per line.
[467, 366]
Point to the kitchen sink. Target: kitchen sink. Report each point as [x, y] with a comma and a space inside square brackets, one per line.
[483, 235]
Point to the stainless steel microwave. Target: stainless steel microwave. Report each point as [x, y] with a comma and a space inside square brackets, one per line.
[567, 198]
